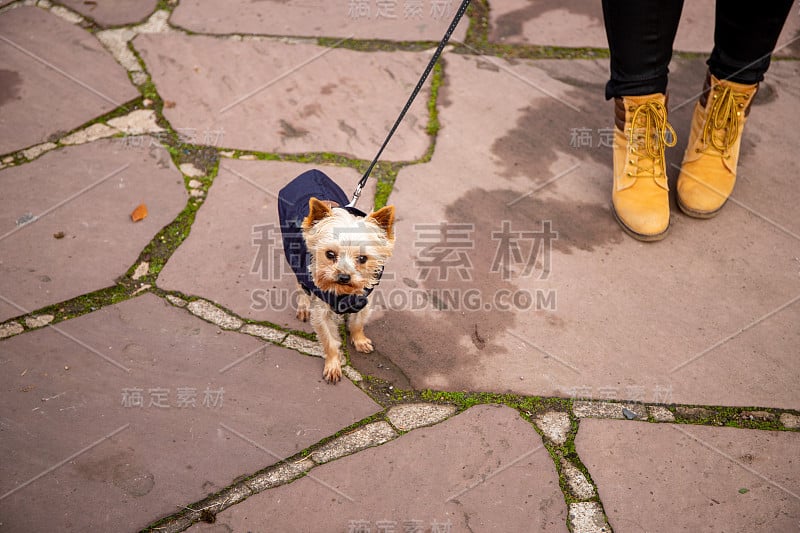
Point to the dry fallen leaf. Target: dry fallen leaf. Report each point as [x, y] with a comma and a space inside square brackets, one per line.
[139, 213]
[169, 104]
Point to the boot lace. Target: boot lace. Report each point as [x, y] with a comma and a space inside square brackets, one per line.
[722, 124]
[648, 137]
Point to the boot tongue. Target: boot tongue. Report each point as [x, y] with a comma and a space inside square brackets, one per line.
[649, 132]
[649, 126]
[722, 126]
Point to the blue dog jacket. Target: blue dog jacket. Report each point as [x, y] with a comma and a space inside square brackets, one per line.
[292, 209]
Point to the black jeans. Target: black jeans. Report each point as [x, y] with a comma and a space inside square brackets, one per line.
[641, 32]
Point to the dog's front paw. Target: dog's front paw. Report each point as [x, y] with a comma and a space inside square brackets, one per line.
[303, 305]
[363, 344]
[332, 371]
[303, 313]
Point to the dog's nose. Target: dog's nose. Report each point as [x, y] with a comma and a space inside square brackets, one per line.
[343, 278]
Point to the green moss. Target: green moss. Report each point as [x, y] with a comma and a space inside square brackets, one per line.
[122, 110]
[478, 31]
[148, 90]
[433, 114]
[376, 45]
[736, 417]
[527, 405]
[166, 241]
[166, 5]
[520, 51]
[386, 174]
[83, 304]
[318, 158]
[191, 514]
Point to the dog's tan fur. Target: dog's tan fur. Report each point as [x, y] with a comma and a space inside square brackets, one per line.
[343, 246]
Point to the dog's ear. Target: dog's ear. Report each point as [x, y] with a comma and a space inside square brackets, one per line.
[317, 210]
[384, 218]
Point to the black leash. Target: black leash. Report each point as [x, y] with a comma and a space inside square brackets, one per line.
[461, 10]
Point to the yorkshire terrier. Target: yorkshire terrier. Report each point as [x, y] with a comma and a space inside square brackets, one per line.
[346, 255]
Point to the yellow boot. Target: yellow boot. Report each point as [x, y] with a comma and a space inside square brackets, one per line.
[640, 198]
[708, 172]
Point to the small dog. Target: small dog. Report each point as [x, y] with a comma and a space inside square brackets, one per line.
[347, 255]
[337, 255]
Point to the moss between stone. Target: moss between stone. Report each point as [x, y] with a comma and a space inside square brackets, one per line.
[567, 452]
[165, 5]
[377, 417]
[122, 110]
[376, 45]
[735, 417]
[191, 513]
[527, 406]
[306, 453]
[526, 51]
[345, 349]
[320, 158]
[189, 298]
[166, 241]
[149, 91]
[478, 31]
[80, 305]
[383, 392]
[386, 174]
[437, 76]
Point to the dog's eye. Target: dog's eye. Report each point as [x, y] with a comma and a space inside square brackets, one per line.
[362, 259]
[330, 255]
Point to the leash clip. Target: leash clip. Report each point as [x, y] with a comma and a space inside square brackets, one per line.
[356, 195]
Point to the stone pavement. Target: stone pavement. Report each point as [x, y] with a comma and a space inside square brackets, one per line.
[536, 369]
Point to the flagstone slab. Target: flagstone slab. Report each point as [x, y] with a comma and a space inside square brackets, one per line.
[665, 477]
[576, 23]
[704, 317]
[234, 254]
[114, 12]
[282, 97]
[54, 76]
[483, 470]
[186, 418]
[387, 20]
[83, 238]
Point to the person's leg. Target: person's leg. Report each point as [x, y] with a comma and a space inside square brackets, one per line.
[745, 34]
[640, 36]
[744, 38]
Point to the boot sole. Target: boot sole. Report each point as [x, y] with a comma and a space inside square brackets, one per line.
[639, 236]
[705, 215]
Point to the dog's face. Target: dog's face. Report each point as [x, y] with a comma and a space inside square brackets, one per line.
[347, 252]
